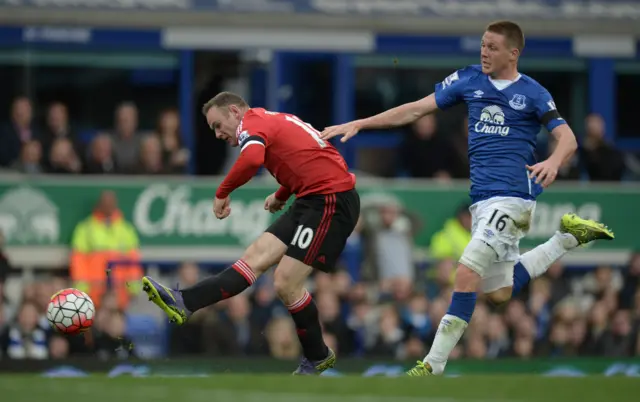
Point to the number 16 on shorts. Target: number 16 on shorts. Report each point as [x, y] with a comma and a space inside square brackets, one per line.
[303, 237]
[502, 221]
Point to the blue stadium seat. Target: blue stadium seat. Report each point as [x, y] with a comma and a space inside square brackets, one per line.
[147, 334]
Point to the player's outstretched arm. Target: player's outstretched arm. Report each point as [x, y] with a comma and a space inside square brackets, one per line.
[396, 117]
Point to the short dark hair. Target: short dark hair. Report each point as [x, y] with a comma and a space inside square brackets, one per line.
[510, 30]
[224, 99]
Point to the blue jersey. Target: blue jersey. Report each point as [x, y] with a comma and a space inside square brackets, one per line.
[503, 126]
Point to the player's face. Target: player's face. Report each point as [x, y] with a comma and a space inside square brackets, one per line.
[224, 122]
[495, 54]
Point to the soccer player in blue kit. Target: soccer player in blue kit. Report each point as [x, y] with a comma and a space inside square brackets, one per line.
[505, 109]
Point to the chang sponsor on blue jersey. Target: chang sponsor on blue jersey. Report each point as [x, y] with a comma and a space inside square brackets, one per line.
[504, 120]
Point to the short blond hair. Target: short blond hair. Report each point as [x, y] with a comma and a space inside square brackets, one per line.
[224, 99]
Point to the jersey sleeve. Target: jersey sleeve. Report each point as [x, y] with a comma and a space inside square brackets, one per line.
[546, 111]
[253, 131]
[450, 91]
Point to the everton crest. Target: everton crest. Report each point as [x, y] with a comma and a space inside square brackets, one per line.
[518, 102]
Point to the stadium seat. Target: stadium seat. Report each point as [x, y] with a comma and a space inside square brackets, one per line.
[147, 334]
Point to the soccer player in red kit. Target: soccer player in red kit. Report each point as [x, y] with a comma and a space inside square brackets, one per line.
[311, 234]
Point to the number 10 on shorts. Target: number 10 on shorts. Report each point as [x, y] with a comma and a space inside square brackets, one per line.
[302, 238]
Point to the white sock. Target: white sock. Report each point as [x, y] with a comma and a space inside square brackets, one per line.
[449, 333]
[538, 260]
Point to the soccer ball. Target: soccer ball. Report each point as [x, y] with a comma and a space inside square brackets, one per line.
[71, 311]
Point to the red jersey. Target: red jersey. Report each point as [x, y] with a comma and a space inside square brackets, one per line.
[292, 152]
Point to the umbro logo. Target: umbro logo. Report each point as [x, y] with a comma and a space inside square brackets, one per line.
[478, 94]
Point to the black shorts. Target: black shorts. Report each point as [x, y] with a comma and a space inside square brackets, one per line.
[316, 227]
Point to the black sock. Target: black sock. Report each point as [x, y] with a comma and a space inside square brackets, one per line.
[305, 316]
[226, 284]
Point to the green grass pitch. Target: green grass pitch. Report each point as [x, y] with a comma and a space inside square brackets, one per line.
[263, 388]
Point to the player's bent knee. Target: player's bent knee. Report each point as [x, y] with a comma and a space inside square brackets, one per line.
[289, 278]
[264, 253]
[500, 296]
[478, 256]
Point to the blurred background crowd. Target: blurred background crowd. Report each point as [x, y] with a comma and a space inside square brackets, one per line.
[46, 140]
[82, 102]
[391, 312]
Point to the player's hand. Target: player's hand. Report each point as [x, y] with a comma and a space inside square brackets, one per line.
[272, 204]
[347, 130]
[545, 172]
[221, 207]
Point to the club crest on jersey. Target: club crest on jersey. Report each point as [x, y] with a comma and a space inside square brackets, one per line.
[243, 136]
[518, 102]
[492, 121]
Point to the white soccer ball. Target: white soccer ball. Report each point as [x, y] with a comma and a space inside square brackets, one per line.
[71, 311]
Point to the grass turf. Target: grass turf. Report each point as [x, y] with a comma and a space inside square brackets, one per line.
[262, 388]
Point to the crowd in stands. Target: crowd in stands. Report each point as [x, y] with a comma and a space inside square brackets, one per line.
[55, 146]
[564, 313]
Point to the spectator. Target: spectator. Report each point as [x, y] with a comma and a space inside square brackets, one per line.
[104, 237]
[560, 285]
[631, 282]
[282, 340]
[58, 128]
[415, 317]
[619, 340]
[58, 347]
[63, 158]
[602, 160]
[30, 158]
[498, 337]
[100, 159]
[233, 334]
[175, 155]
[476, 348]
[425, 153]
[390, 334]
[332, 321]
[126, 141]
[19, 132]
[151, 162]
[25, 339]
[598, 323]
[453, 238]
[112, 341]
[388, 230]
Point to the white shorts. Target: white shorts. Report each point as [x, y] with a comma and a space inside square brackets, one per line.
[499, 222]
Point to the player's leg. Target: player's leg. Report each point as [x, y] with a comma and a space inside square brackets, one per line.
[463, 302]
[289, 283]
[480, 255]
[574, 231]
[325, 224]
[262, 254]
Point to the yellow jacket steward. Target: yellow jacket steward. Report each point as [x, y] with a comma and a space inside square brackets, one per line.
[96, 241]
[450, 242]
